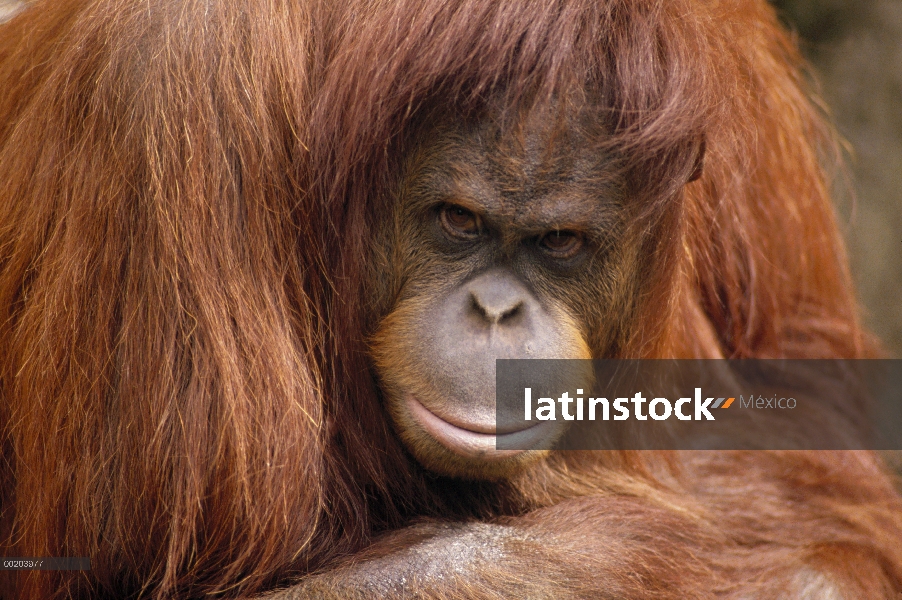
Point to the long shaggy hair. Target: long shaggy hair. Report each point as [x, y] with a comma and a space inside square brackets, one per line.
[185, 392]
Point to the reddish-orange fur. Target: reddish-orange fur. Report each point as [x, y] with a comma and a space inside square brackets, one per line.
[185, 394]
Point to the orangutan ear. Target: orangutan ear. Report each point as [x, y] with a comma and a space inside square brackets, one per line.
[699, 161]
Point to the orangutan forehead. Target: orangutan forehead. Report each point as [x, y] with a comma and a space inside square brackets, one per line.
[531, 174]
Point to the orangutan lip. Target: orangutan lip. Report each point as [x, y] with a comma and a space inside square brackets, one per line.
[475, 441]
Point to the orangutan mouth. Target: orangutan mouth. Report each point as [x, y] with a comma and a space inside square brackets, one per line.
[480, 440]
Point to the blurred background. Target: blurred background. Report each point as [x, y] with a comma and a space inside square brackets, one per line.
[855, 47]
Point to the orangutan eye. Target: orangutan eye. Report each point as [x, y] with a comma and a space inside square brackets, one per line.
[562, 243]
[460, 222]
